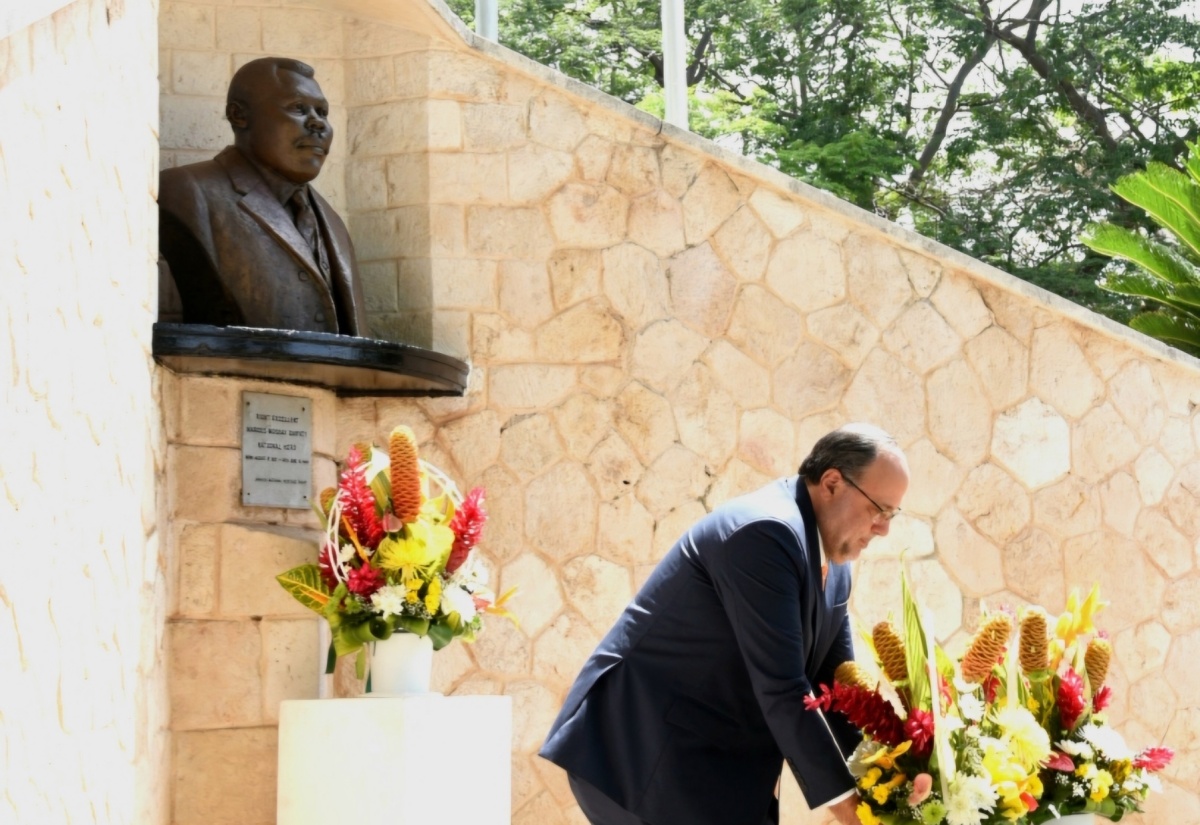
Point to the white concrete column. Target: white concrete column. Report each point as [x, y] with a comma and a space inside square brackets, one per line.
[487, 17]
[674, 63]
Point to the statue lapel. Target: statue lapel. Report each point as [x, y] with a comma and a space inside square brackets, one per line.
[258, 201]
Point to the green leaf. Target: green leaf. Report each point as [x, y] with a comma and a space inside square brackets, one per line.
[1169, 197]
[411, 624]
[1180, 332]
[914, 649]
[1184, 298]
[1159, 260]
[306, 586]
[441, 635]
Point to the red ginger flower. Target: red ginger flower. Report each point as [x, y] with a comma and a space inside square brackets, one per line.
[1154, 759]
[865, 709]
[365, 580]
[358, 502]
[467, 525]
[1102, 699]
[1070, 698]
[919, 728]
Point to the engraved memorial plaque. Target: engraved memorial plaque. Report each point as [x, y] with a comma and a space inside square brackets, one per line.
[276, 450]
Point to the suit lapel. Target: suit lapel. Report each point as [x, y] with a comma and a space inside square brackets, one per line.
[812, 553]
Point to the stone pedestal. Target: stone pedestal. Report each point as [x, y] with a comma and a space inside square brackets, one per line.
[426, 758]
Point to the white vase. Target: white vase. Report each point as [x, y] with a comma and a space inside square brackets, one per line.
[1073, 819]
[401, 664]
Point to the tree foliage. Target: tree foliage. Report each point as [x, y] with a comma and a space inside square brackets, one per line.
[995, 127]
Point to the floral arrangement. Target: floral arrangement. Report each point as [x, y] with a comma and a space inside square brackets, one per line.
[397, 554]
[1006, 734]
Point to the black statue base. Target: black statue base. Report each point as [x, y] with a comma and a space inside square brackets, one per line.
[344, 363]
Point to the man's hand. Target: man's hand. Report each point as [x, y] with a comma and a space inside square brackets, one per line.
[844, 810]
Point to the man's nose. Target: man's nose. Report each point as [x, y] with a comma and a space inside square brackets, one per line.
[880, 528]
[316, 123]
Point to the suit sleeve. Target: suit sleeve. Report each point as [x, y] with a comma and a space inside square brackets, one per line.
[758, 573]
[846, 734]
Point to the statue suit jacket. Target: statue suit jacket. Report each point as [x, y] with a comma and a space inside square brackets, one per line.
[238, 259]
[686, 711]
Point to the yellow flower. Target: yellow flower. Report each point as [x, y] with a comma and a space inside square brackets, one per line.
[1027, 740]
[882, 792]
[1101, 783]
[1078, 618]
[1010, 778]
[872, 776]
[866, 816]
[418, 546]
[885, 758]
[433, 596]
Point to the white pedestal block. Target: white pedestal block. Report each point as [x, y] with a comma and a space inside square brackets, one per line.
[379, 761]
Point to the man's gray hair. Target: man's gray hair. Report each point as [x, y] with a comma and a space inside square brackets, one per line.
[849, 449]
[243, 78]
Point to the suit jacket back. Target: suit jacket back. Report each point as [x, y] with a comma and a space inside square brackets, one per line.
[688, 707]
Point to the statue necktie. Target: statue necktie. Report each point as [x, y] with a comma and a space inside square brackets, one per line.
[306, 222]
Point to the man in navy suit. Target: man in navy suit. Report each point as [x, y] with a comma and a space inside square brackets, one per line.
[688, 708]
[247, 240]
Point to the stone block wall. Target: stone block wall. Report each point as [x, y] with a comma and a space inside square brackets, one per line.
[656, 325]
[238, 643]
[83, 707]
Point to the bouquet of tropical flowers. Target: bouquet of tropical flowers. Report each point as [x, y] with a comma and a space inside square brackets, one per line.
[1006, 734]
[397, 554]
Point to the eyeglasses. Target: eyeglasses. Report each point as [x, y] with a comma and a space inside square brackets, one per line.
[883, 515]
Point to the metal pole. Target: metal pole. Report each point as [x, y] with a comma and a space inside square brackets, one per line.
[674, 63]
[487, 19]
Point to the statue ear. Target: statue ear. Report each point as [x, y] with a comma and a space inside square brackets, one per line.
[235, 113]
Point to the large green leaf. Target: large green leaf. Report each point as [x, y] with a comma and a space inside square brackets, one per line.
[1183, 333]
[915, 656]
[1184, 299]
[1171, 198]
[1159, 260]
[306, 586]
[441, 635]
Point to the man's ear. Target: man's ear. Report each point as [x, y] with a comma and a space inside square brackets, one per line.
[830, 479]
[235, 113]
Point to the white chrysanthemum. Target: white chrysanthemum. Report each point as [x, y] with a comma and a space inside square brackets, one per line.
[389, 599]
[968, 798]
[1107, 741]
[971, 707]
[346, 552]
[457, 600]
[1081, 749]
[1028, 741]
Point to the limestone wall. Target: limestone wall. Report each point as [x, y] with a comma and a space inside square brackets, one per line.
[654, 326]
[82, 593]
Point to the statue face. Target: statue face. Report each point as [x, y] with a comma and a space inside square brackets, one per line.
[288, 127]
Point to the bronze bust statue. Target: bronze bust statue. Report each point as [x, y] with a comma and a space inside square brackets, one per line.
[247, 240]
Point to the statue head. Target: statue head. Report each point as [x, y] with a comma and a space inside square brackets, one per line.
[279, 116]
